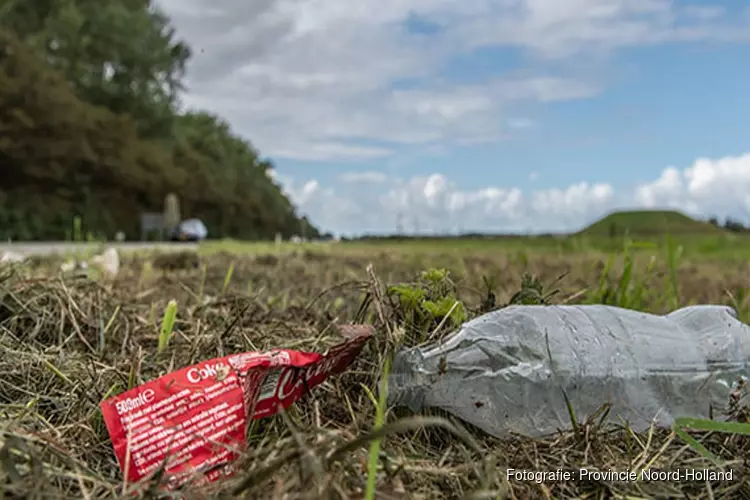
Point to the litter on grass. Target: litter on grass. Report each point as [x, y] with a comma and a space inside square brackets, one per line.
[517, 369]
[192, 422]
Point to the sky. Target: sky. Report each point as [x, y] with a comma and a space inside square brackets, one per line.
[443, 116]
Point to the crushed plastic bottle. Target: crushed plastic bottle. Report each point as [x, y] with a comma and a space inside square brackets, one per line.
[505, 372]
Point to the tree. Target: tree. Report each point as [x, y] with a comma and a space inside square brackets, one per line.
[734, 226]
[121, 54]
[62, 155]
[253, 205]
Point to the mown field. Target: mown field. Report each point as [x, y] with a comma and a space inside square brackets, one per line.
[66, 342]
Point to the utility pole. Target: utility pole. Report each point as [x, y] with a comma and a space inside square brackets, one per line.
[400, 224]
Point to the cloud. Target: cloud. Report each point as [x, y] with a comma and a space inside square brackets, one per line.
[367, 177]
[713, 187]
[330, 151]
[317, 79]
[436, 203]
[520, 123]
[704, 12]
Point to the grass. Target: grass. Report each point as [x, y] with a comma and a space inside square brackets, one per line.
[67, 343]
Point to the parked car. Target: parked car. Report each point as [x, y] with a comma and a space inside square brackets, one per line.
[190, 230]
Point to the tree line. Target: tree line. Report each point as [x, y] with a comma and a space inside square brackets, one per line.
[90, 128]
[730, 224]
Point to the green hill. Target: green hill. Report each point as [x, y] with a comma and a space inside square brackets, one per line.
[648, 223]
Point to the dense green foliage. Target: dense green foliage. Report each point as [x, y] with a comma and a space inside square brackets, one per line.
[90, 127]
[645, 223]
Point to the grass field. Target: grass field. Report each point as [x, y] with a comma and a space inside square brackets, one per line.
[66, 342]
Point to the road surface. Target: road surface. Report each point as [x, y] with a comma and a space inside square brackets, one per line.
[62, 247]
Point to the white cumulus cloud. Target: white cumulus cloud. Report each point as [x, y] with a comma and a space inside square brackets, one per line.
[709, 186]
[341, 81]
[308, 80]
[367, 177]
[436, 203]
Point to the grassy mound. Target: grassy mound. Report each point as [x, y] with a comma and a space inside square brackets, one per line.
[67, 342]
[648, 223]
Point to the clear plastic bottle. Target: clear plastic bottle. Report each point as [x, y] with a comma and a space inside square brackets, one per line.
[505, 371]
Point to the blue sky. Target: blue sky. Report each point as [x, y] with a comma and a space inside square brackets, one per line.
[504, 115]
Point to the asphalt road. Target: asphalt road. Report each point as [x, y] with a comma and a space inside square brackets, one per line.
[53, 247]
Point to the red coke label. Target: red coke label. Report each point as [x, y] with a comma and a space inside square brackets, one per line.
[192, 422]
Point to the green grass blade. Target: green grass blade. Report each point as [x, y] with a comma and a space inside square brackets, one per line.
[167, 326]
[227, 278]
[673, 258]
[372, 459]
[680, 424]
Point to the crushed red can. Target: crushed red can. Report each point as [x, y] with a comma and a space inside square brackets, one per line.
[192, 422]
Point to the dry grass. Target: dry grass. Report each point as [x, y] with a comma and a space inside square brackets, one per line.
[65, 344]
